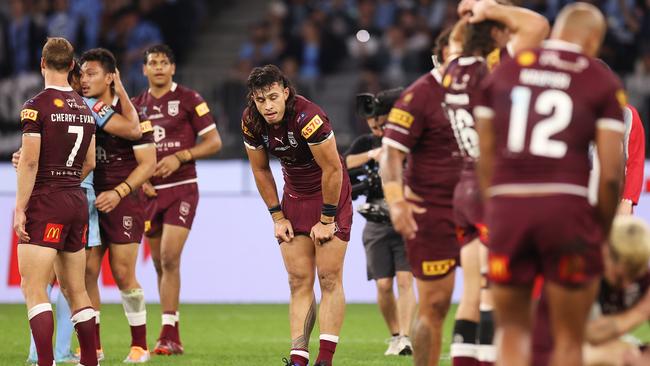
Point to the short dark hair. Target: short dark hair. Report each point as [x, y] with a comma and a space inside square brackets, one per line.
[58, 54]
[478, 38]
[101, 55]
[159, 48]
[261, 78]
[75, 73]
[441, 42]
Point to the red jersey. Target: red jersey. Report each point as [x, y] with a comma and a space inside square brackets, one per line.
[178, 117]
[634, 155]
[115, 159]
[66, 127]
[461, 82]
[546, 105]
[417, 125]
[289, 141]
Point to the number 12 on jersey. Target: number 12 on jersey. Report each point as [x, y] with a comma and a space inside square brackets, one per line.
[555, 104]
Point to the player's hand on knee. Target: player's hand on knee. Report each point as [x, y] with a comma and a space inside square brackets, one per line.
[148, 189]
[401, 214]
[19, 226]
[15, 158]
[321, 233]
[283, 230]
[166, 166]
[107, 201]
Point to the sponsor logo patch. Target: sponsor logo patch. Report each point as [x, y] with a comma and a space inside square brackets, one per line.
[446, 81]
[400, 117]
[84, 235]
[127, 222]
[572, 268]
[246, 131]
[58, 103]
[526, 58]
[621, 97]
[147, 226]
[202, 109]
[311, 127]
[172, 107]
[98, 106]
[493, 58]
[30, 114]
[53, 233]
[408, 98]
[499, 267]
[437, 268]
[146, 126]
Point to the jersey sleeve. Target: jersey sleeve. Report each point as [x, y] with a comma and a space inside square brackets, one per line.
[612, 103]
[635, 163]
[30, 119]
[100, 110]
[147, 135]
[315, 126]
[252, 139]
[406, 121]
[201, 118]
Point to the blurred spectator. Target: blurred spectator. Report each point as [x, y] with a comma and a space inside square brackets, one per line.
[260, 48]
[638, 84]
[25, 40]
[88, 14]
[291, 69]
[62, 22]
[232, 96]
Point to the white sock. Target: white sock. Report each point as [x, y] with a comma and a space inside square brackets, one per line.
[330, 338]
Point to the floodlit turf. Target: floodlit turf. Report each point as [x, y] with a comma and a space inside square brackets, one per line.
[224, 335]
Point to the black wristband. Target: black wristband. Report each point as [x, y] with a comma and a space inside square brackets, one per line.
[328, 210]
[327, 223]
[274, 209]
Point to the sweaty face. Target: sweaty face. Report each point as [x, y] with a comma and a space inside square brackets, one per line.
[158, 69]
[376, 125]
[271, 102]
[94, 79]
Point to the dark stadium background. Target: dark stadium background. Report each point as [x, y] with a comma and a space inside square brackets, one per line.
[317, 43]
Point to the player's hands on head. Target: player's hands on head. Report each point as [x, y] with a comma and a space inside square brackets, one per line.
[166, 166]
[15, 158]
[117, 80]
[479, 10]
[465, 7]
[107, 201]
[19, 226]
[401, 214]
[283, 230]
[322, 233]
[148, 189]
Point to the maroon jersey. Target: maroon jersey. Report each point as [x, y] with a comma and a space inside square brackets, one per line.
[114, 155]
[289, 141]
[461, 82]
[546, 105]
[178, 117]
[66, 127]
[417, 125]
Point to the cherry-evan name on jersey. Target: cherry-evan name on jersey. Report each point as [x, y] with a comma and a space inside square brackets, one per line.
[72, 118]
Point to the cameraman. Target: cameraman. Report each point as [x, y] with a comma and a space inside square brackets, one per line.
[385, 252]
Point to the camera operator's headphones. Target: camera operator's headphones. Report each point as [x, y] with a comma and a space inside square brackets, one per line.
[370, 105]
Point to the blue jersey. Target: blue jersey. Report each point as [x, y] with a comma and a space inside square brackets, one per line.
[100, 110]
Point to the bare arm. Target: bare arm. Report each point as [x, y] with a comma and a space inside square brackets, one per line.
[259, 162]
[609, 327]
[126, 124]
[528, 29]
[485, 165]
[610, 156]
[357, 160]
[209, 144]
[26, 177]
[89, 161]
[327, 157]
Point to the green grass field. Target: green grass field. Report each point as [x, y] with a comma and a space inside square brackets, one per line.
[224, 335]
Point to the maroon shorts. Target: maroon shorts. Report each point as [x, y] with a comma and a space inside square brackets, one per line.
[125, 224]
[304, 212]
[58, 220]
[434, 252]
[558, 237]
[173, 206]
[468, 209]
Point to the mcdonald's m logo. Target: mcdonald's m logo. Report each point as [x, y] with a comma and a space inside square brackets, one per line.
[53, 233]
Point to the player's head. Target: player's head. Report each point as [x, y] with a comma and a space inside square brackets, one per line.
[270, 94]
[74, 77]
[582, 24]
[57, 55]
[627, 254]
[159, 65]
[97, 72]
[482, 38]
[375, 108]
[441, 47]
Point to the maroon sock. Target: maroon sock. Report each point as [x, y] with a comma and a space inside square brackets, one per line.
[167, 332]
[139, 336]
[41, 322]
[298, 360]
[85, 325]
[327, 349]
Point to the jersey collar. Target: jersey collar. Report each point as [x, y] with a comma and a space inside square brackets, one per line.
[59, 88]
[466, 61]
[436, 75]
[558, 44]
[172, 89]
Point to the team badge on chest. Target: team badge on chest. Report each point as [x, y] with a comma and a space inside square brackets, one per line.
[292, 140]
[172, 107]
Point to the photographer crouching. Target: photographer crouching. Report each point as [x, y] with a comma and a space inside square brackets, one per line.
[385, 252]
